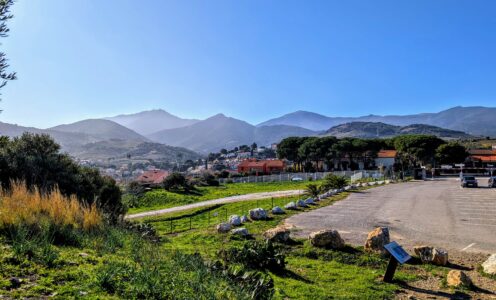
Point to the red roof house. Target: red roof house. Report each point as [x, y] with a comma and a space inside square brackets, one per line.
[153, 177]
[261, 166]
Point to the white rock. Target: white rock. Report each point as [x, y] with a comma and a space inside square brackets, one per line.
[276, 210]
[258, 214]
[240, 231]
[235, 220]
[290, 205]
[244, 219]
[309, 201]
[301, 203]
[223, 227]
[489, 266]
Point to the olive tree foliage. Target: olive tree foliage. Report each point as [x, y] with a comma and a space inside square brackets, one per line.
[5, 15]
[36, 160]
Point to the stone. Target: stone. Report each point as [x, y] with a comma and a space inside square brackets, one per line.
[380, 182]
[277, 234]
[83, 254]
[15, 282]
[258, 214]
[291, 205]
[489, 266]
[276, 210]
[377, 239]
[244, 219]
[301, 203]
[327, 239]
[309, 201]
[387, 181]
[432, 255]
[347, 188]
[223, 227]
[240, 231]
[457, 278]
[235, 220]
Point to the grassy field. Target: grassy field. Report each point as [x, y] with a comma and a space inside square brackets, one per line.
[310, 273]
[159, 198]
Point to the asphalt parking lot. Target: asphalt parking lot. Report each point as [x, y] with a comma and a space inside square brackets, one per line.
[434, 212]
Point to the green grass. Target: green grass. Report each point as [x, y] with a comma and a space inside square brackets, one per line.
[311, 273]
[159, 198]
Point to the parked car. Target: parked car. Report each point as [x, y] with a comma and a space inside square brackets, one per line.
[469, 181]
[491, 182]
[296, 178]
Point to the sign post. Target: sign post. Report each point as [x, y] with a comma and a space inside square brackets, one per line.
[398, 256]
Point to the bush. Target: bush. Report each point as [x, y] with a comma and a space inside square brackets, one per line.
[313, 190]
[176, 182]
[332, 181]
[256, 255]
[36, 160]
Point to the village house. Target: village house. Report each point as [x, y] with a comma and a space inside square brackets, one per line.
[483, 157]
[261, 167]
[386, 158]
[152, 178]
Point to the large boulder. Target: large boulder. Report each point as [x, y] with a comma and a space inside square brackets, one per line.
[291, 205]
[240, 231]
[432, 255]
[243, 219]
[223, 227]
[489, 266]
[276, 210]
[377, 239]
[327, 239]
[235, 220]
[457, 278]
[258, 214]
[277, 234]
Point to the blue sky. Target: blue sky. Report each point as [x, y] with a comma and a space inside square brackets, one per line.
[252, 60]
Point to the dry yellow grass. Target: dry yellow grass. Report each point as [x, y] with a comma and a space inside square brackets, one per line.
[20, 206]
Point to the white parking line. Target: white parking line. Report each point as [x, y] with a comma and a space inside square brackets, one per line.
[469, 246]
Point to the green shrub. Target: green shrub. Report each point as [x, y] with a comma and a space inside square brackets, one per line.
[332, 181]
[256, 255]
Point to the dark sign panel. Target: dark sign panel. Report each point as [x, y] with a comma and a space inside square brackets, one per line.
[397, 252]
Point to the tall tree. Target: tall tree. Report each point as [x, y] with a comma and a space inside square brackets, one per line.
[451, 153]
[5, 15]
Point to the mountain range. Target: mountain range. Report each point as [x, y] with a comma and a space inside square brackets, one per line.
[155, 130]
[382, 130]
[475, 120]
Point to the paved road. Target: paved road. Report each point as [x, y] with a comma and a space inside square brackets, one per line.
[247, 197]
[432, 212]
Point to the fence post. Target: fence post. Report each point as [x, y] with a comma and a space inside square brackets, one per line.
[272, 202]
[225, 214]
[190, 218]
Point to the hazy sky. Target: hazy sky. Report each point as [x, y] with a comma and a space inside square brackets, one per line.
[252, 60]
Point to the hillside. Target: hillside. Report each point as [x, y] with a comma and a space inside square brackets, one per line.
[101, 129]
[382, 130]
[120, 149]
[220, 131]
[148, 122]
[103, 142]
[473, 120]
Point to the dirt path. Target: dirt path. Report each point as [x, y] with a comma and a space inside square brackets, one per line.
[240, 198]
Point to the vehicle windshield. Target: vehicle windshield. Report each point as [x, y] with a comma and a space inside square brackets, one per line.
[469, 178]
